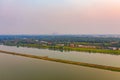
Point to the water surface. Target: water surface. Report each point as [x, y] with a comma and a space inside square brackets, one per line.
[94, 58]
[21, 68]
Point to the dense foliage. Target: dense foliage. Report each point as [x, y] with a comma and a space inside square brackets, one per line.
[101, 43]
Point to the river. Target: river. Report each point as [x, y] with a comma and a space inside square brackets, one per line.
[21, 68]
[94, 58]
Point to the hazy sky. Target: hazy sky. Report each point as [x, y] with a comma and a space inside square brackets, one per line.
[59, 16]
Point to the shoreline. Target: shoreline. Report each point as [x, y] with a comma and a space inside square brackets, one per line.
[66, 48]
[110, 68]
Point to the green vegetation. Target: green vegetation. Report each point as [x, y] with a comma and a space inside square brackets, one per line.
[90, 50]
[89, 43]
[66, 48]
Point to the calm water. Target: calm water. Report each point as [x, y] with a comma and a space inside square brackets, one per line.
[21, 68]
[96, 58]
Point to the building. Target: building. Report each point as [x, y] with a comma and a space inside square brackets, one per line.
[72, 45]
[84, 46]
[60, 44]
[112, 48]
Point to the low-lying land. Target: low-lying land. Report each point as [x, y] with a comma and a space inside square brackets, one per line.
[66, 48]
[91, 50]
[65, 61]
[109, 44]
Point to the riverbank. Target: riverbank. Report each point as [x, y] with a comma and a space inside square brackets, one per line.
[93, 50]
[66, 48]
[65, 61]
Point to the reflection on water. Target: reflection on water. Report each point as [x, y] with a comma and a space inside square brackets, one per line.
[94, 58]
[22, 68]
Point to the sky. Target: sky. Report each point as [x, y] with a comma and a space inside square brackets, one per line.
[59, 16]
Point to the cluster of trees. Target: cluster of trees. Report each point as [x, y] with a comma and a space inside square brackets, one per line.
[63, 39]
[35, 41]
